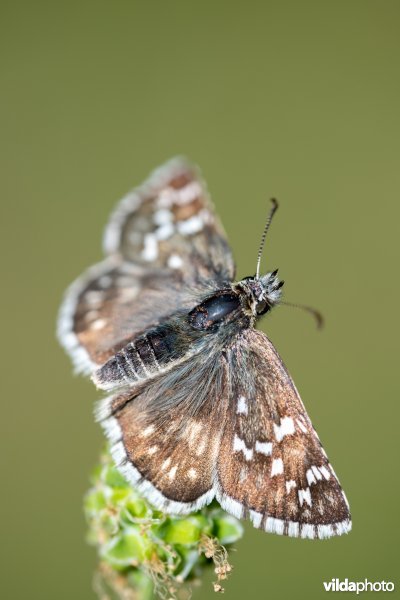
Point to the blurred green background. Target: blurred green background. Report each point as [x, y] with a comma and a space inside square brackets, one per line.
[294, 99]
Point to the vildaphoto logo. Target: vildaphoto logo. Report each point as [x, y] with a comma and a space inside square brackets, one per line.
[336, 585]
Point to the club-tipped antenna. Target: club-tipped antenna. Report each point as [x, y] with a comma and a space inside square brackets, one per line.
[264, 235]
[319, 319]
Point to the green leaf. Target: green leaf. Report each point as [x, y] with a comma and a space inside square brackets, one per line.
[119, 496]
[95, 501]
[228, 529]
[136, 507]
[127, 549]
[184, 531]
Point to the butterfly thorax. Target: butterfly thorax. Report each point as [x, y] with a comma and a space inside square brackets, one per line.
[222, 306]
[250, 298]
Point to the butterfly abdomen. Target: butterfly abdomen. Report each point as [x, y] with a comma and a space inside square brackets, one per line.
[143, 357]
[184, 334]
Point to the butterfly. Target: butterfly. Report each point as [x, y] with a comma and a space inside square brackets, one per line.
[199, 404]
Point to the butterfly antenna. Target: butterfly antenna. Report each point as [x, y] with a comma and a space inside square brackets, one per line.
[319, 319]
[264, 235]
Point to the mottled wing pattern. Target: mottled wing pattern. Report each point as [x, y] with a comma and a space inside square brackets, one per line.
[164, 244]
[165, 436]
[169, 222]
[230, 426]
[271, 465]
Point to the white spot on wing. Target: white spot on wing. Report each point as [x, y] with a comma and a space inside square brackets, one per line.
[150, 247]
[194, 429]
[242, 406]
[325, 472]
[162, 216]
[165, 231]
[305, 496]
[317, 472]
[239, 445]
[189, 226]
[302, 426]
[152, 450]
[148, 431]
[192, 473]
[166, 464]
[277, 467]
[98, 324]
[175, 261]
[264, 448]
[310, 477]
[201, 447]
[172, 473]
[286, 427]
[289, 485]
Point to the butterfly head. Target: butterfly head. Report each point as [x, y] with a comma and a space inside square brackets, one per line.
[261, 293]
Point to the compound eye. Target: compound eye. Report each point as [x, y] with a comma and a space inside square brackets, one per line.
[261, 306]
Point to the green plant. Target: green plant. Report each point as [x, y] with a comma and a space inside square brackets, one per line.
[146, 553]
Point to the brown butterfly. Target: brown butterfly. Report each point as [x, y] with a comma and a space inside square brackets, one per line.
[201, 405]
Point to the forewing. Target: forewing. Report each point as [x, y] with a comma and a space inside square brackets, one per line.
[169, 223]
[271, 465]
[165, 244]
[165, 437]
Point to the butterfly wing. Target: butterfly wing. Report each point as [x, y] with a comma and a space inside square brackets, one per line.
[163, 244]
[165, 436]
[230, 426]
[271, 465]
[170, 223]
